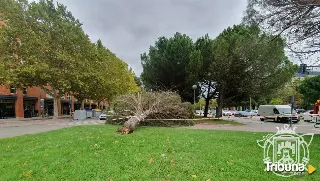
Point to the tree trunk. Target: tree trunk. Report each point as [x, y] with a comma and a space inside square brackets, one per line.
[206, 107]
[207, 101]
[208, 97]
[55, 108]
[82, 105]
[131, 125]
[220, 101]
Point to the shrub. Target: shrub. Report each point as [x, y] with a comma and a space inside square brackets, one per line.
[155, 105]
[153, 122]
[178, 111]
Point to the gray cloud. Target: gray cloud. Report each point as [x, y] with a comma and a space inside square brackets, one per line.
[129, 27]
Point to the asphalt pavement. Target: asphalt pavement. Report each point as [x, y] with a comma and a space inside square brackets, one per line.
[255, 125]
[11, 128]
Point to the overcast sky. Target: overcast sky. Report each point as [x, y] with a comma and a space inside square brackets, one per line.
[129, 27]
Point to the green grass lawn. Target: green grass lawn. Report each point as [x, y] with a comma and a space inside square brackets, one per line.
[217, 121]
[99, 153]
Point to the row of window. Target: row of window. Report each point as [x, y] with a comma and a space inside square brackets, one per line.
[13, 90]
[68, 97]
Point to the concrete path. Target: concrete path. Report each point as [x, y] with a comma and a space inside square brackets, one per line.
[11, 128]
[6, 132]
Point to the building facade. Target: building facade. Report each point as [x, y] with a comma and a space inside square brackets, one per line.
[15, 103]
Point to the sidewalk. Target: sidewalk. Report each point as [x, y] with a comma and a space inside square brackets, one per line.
[31, 126]
[15, 122]
[33, 118]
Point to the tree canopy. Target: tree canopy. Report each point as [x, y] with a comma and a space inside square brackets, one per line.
[44, 45]
[247, 62]
[166, 65]
[297, 20]
[240, 63]
[310, 89]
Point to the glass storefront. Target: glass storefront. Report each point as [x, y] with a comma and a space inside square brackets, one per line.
[7, 109]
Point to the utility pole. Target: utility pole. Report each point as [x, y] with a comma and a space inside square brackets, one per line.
[70, 109]
[194, 87]
[41, 105]
[292, 104]
[250, 104]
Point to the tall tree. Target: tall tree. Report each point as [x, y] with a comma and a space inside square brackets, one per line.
[297, 20]
[137, 80]
[115, 76]
[19, 44]
[103, 76]
[204, 47]
[44, 45]
[246, 62]
[63, 40]
[290, 89]
[310, 89]
[166, 65]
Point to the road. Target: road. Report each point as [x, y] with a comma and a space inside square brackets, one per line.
[255, 125]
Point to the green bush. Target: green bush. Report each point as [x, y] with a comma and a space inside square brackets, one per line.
[153, 122]
[178, 111]
[162, 105]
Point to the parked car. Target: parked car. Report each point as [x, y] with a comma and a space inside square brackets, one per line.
[306, 116]
[226, 113]
[103, 116]
[300, 111]
[308, 112]
[254, 112]
[233, 112]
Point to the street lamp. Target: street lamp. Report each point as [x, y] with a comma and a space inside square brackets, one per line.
[194, 87]
[41, 104]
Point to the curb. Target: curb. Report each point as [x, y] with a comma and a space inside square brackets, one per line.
[32, 119]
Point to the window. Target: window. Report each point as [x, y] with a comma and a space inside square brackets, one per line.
[12, 90]
[69, 97]
[24, 91]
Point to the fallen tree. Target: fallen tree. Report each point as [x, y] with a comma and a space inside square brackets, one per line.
[150, 105]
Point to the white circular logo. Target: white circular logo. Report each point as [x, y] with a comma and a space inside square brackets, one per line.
[286, 153]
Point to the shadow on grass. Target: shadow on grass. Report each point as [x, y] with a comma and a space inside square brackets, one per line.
[217, 121]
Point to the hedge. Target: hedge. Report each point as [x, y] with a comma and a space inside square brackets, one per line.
[153, 122]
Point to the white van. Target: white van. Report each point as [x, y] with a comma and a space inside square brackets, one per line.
[278, 113]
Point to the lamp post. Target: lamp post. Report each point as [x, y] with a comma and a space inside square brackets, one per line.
[194, 87]
[70, 109]
[41, 105]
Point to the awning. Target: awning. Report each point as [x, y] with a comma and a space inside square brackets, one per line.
[28, 98]
[8, 97]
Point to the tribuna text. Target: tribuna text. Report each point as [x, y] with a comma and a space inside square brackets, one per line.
[280, 167]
